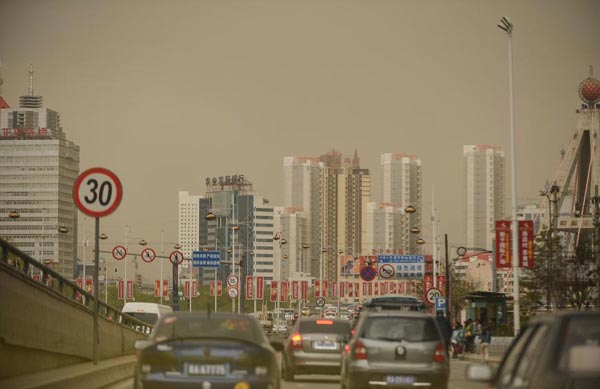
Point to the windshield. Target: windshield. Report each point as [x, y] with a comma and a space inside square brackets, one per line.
[146, 317]
[237, 328]
[581, 347]
[409, 329]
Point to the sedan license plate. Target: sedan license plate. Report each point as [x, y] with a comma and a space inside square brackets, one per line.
[202, 369]
[400, 380]
[325, 345]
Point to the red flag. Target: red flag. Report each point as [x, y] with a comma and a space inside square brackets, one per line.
[249, 288]
[273, 297]
[260, 286]
[295, 290]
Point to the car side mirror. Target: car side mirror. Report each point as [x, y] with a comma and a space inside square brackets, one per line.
[479, 372]
[141, 344]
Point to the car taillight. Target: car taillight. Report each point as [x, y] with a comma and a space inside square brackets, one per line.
[360, 351]
[347, 349]
[296, 340]
[440, 353]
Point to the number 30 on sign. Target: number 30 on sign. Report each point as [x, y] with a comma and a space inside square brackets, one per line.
[97, 192]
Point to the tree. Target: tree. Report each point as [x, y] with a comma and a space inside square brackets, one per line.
[459, 289]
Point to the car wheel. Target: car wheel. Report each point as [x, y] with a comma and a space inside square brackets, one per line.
[286, 373]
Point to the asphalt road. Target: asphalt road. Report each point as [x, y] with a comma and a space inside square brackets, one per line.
[457, 380]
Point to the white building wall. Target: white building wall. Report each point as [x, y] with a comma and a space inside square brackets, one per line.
[188, 225]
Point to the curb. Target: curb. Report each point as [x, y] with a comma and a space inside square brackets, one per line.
[83, 375]
[492, 359]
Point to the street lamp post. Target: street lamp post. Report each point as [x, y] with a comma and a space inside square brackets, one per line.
[277, 238]
[507, 26]
[550, 238]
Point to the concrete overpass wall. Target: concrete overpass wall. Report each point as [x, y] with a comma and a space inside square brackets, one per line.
[40, 329]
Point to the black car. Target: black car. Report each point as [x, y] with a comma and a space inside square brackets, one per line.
[559, 351]
[216, 350]
[315, 347]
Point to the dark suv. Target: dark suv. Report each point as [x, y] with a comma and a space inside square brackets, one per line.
[395, 348]
[560, 350]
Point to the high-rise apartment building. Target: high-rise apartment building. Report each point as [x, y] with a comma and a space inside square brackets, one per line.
[290, 224]
[484, 172]
[333, 191]
[402, 187]
[38, 167]
[385, 225]
[188, 230]
[242, 228]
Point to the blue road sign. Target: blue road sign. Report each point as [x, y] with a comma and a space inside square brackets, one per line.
[406, 266]
[206, 259]
[440, 304]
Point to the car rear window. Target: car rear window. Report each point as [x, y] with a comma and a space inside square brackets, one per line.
[409, 329]
[146, 317]
[238, 328]
[581, 347]
[324, 326]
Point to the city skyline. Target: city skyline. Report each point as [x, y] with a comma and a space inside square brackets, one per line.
[256, 84]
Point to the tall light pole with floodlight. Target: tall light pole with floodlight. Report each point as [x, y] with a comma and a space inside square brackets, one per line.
[507, 26]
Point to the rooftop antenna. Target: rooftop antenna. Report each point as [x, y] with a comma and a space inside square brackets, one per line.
[30, 80]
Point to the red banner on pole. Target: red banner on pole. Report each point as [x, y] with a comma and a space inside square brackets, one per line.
[304, 289]
[356, 289]
[325, 287]
[526, 243]
[427, 282]
[503, 244]
[284, 291]
[393, 287]
[130, 289]
[260, 287]
[334, 289]
[187, 288]
[212, 289]
[165, 288]
[295, 290]
[219, 288]
[441, 284]
[121, 290]
[249, 288]
[79, 282]
[273, 297]
[317, 288]
[156, 288]
[365, 288]
[195, 288]
[376, 284]
[343, 289]
[89, 286]
[408, 287]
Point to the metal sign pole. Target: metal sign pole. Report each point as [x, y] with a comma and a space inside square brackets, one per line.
[96, 338]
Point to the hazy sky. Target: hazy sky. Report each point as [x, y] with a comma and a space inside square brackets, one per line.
[166, 93]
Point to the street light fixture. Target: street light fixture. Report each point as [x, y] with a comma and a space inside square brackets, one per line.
[143, 242]
[63, 229]
[210, 216]
[410, 209]
[103, 236]
[415, 230]
[177, 246]
[14, 214]
[420, 241]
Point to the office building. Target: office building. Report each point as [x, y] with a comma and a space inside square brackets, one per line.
[188, 230]
[38, 167]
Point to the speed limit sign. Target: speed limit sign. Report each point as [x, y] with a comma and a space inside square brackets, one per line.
[97, 192]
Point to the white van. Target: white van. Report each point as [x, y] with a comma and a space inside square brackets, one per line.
[146, 312]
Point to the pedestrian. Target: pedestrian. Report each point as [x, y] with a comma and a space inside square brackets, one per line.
[457, 340]
[469, 336]
[486, 339]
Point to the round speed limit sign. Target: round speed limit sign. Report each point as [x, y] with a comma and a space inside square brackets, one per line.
[97, 192]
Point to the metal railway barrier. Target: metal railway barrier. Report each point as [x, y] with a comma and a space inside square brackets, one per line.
[48, 323]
